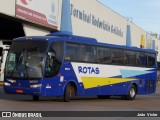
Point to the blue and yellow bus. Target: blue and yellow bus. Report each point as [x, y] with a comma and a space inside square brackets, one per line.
[67, 65]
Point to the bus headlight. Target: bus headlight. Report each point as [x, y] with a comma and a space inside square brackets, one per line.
[35, 86]
[7, 84]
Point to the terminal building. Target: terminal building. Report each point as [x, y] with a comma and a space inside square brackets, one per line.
[88, 18]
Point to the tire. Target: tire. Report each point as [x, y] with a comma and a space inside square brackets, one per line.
[69, 92]
[131, 93]
[35, 98]
[103, 96]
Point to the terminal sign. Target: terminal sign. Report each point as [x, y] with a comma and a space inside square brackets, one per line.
[44, 12]
[95, 21]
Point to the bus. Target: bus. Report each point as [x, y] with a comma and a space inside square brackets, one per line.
[67, 66]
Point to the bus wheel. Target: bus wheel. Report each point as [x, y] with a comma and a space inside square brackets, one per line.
[132, 93]
[35, 98]
[69, 92]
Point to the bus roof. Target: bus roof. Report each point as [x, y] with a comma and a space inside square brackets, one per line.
[79, 39]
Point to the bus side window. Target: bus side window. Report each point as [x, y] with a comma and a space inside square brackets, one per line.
[117, 56]
[130, 58]
[151, 60]
[88, 53]
[103, 55]
[72, 52]
[141, 59]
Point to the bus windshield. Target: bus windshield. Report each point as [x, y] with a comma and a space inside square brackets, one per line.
[26, 59]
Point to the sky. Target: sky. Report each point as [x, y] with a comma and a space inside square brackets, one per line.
[144, 13]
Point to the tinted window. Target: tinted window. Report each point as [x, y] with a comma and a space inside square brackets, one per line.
[88, 53]
[151, 60]
[54, 59]
[72, 52]
[103, 55]
[141, 59]
[117, 56]
[130, 58]
[57, 47]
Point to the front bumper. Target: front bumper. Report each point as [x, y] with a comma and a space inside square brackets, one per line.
[25, 91]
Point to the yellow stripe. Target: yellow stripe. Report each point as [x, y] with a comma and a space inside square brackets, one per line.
[91, 82]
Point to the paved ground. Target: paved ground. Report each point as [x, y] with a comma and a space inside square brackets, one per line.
[25, 103]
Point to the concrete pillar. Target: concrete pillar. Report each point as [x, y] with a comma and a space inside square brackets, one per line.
[66, 22]
[153, 45]
[128, 36]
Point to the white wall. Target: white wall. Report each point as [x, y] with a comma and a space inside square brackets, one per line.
[7, 7]
[99, 11]
[34, 31]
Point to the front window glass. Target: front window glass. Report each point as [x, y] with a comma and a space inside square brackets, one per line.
[25, 59]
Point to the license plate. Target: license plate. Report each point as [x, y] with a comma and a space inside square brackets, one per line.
[19, 91]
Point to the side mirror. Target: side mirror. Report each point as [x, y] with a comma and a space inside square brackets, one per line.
[51, 54]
